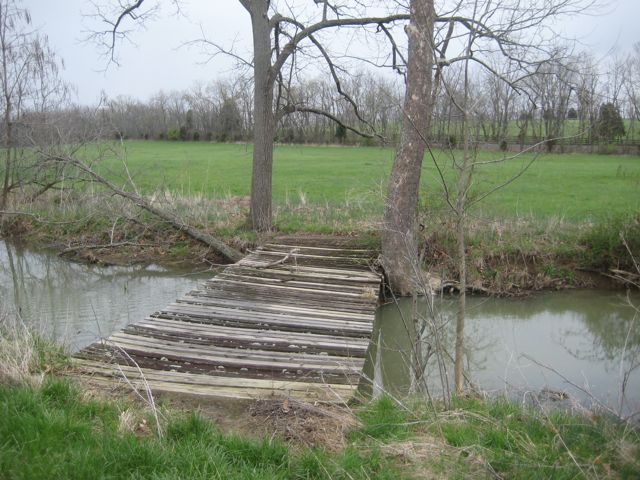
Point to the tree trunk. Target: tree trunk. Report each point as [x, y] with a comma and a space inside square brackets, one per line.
[399, 243]
[8, 167]
[263, 117]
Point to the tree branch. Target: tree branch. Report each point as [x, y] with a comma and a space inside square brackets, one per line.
[229, 253]
[306, 32]
[295, 108]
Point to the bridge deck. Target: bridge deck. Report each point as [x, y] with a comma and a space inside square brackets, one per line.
[293, 319]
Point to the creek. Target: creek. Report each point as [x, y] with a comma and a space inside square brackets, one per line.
[588, 338]
[75, 304]
[582, 342]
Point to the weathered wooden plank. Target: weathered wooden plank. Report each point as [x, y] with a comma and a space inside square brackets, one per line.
[289, 274]
[283, 317]
[295, 252]
[289, 288]
[284, 300]
[243, 339]
[168, 360]
[331, 250]
[201, 314]
[267, 335]
[295, 311]
[205, 298]
[254, 261]
[305, 284]
[344, 263]
[261, 294]
[280, 359]
[249, 324]
[220, 386]
[339, 310]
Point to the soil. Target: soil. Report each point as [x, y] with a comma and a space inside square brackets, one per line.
[299, 424]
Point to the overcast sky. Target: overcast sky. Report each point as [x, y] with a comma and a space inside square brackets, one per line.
[156, 61]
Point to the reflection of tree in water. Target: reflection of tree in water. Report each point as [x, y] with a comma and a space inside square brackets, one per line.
[607, 317]
[62, 298]
[390, 356]
[615, 331]
[603, 321]
[22, 272]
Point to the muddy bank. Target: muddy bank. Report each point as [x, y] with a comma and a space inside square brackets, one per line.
[587, 258]
[134, 243]
[300, 424]
[520, 275]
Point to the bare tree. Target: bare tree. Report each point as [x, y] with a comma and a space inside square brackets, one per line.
[516, 31]
[632, 86]
[30, 88]
[277, 39]
[399, 223]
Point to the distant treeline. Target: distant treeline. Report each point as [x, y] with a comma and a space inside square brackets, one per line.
[570, 101]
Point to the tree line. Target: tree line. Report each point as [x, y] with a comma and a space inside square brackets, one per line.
[572, 99]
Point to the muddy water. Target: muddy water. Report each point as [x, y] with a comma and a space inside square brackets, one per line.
[76, 304]
[590, 339]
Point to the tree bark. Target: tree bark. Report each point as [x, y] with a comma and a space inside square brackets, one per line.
[8, 167]
[264, 117]
[399, 243]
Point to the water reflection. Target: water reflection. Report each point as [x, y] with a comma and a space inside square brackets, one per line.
[588, 337]
[75, 303]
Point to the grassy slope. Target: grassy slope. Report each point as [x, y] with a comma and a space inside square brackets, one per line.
[511, 441]
[576, 187]
[53, 432]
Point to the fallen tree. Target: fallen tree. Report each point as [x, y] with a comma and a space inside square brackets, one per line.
[220, 247]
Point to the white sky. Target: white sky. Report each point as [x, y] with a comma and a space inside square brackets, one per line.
[157, 62]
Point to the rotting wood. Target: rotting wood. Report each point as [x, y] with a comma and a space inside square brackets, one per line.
[293, 319]
[200, 298]
[243, 339]
[219, 386]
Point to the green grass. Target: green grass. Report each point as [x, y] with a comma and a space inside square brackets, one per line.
[333, 174]
[575, 187]
[511, 440]
[564, 209]
[52, 432]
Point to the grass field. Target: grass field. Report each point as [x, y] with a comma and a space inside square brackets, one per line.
[574, 187]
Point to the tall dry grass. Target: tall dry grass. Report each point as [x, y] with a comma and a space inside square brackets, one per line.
[18, 352]
[26, 355]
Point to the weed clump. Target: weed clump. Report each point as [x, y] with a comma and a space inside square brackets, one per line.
[25, 356]
[607, 244]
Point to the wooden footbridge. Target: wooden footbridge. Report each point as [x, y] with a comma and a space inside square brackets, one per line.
[292, 319]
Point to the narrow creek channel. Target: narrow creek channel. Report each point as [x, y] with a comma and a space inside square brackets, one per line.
[76, 304]
[588, 337]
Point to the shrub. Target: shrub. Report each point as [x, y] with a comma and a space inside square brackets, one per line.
[173, 135]
[604, 246]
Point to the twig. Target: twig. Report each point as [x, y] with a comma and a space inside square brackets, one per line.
[293, 252]
[107, 245]
[149, 400]
[573, 384]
